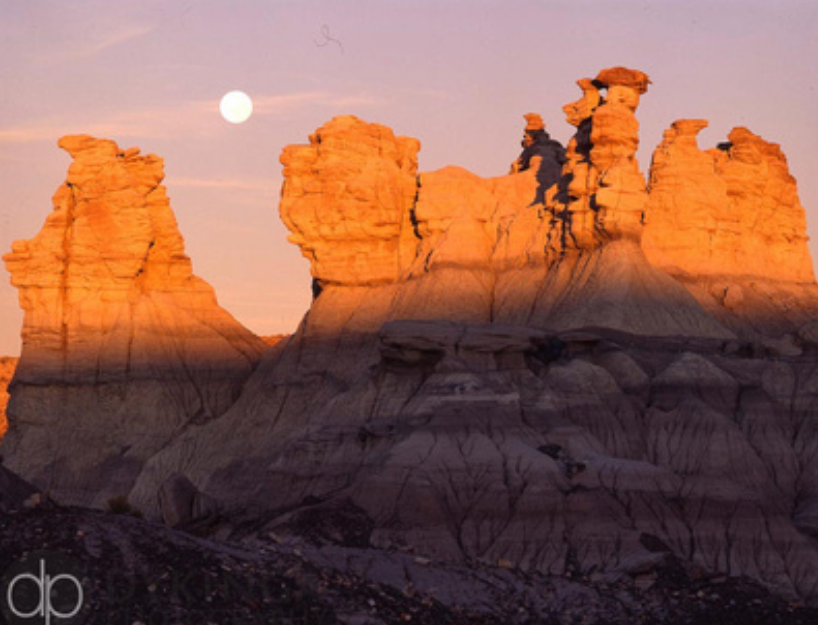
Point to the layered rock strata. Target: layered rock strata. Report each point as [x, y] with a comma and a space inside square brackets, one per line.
[582, 453]
[516, 384]
[727, 223]
[489, 379]
[550, 262]
[123, 347]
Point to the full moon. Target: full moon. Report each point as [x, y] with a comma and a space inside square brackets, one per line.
[236, 107]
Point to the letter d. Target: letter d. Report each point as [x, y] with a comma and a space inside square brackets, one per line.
[40, 610]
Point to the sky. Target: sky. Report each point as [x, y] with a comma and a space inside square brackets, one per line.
[457, 74]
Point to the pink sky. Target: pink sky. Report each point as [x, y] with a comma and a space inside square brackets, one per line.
[456, 74]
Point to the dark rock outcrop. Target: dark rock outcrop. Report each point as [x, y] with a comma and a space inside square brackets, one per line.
[136, 571]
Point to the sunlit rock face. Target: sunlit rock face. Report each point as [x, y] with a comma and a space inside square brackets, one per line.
[517, 382]
[604, 190]
[515, 249]
[731, 210]
[727, 222]
[551, 258]
[490, 372]
[7, 366]
[122, 345]
[347, 199]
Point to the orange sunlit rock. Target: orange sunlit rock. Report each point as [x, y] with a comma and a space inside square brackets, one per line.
[528, 369]
[523, 385]
[727, 221]
[7, 366]
[521, 248]
[347, 199]
[731, 210]
[122, 344]
[591, 226]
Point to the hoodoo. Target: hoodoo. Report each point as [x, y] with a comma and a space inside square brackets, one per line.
[727, 223]
[123, 347]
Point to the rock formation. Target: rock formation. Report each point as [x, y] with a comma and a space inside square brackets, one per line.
[603, 190]
[541, 152]
[7, 366]
[123, 346]
[591, 226]
[451, 245]
[516, 384]
[539, 383]
[728, 224]
[347, 199]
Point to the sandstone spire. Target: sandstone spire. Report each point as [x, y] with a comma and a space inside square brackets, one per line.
[603, 189]
[592, 227]
[122, 344]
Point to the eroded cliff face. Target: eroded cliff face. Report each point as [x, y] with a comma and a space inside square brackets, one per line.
[347, 199]
[499, 373]
[727, 223]
[122, 345]
[516, 249]
[550, 260]
[521, 382]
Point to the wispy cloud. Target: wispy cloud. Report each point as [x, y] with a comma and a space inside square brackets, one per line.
[144, 122]
[235, 184]
[282, 104]
[109, 40]
[193, 117]
[94, 42]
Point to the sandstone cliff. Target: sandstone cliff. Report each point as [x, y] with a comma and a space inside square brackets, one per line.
[501, 374]
[522, 382]
[123, 346]
[451, 245]
[727, 223]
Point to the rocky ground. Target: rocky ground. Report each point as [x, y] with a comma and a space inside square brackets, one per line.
[140, 572]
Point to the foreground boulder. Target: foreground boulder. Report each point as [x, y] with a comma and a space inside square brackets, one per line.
[123, 347]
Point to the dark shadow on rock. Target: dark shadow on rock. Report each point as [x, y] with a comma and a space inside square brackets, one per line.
[551, 153]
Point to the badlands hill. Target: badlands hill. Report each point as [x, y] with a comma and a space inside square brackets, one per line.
[569, 371]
